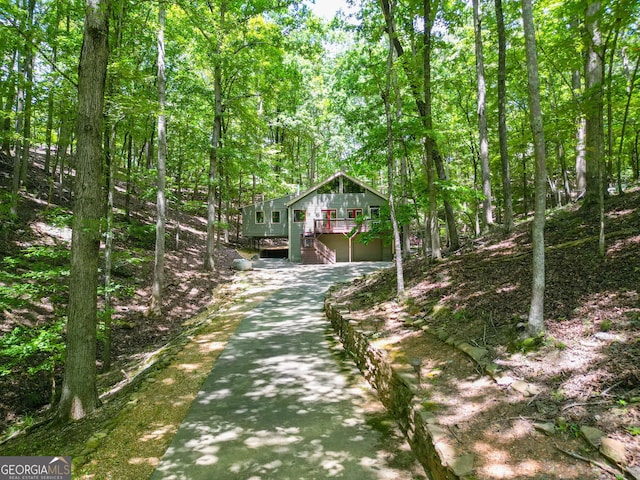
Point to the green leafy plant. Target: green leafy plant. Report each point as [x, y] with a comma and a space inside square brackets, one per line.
[33, 349]
[633, 430]
[58, 217]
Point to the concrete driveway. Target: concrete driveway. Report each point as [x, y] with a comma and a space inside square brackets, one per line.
[283, 401]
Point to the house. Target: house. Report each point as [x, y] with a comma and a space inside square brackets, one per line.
[323, 224]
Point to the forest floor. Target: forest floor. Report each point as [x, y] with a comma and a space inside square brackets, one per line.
[529, 420]
[33, 287]
[584, 372]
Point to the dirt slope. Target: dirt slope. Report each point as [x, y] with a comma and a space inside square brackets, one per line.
[584, 372]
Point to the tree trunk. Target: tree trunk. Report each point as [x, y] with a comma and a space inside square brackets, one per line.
[487, 215]
[110, 141]
[129, 185]
[536, 311]
[155, 307]
[593, 104]
[422, 109]
[391, 162]
[630, 84]
[502, 119]
[79, 394]
[429, 141]
[17, 155]
[8, 106]
[609, 152]
[581, 163]
[216, 134]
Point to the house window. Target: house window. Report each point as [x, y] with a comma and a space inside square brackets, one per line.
[299, 216]
[351, 187]
[374, 212]
[353, 213]
[275, 216]
[259, 217]
[330, 187]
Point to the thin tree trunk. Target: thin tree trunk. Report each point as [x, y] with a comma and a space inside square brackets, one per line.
[609, 154]
[429, 142]
[426, 118]
[110, 141]
[8, 106]
[17, 155]
[129, 186]
[391, 162]
[536, 311]
[487, 214]
[79, 393]
[581, 162]
[216, 135]
[155, 307]
[50, 110]
[630, 84]
[502, 119]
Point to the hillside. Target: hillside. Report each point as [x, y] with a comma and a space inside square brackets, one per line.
[34, 252]
[584, 373]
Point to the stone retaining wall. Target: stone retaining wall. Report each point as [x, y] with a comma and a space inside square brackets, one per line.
[397, 389]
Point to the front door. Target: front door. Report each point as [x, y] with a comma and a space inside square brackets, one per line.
[327, 216]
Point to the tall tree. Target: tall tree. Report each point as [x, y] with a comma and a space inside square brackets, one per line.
[593, 100]
[433, 228]
[391, 162]
[161, 203]
[79, 393]
[502, 118]
[536, 310]
[216, 138]
[422, 100]
[487, 214]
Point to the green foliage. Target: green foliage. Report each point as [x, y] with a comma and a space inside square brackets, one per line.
[141, 234]
[58, 217]
[605, 325]
[633, 430]
[33, 349]
[529, 344]
[39, 272]
[567, 428]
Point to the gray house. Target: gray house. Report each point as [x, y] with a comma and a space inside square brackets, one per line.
[320, 224]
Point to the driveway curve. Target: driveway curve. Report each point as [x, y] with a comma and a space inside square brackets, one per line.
[282, 401]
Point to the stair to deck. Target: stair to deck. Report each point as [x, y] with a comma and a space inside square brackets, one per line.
[314, 252]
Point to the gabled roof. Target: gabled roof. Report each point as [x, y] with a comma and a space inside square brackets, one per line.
[330, 179]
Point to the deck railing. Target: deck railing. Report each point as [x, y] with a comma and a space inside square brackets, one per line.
[340, 225]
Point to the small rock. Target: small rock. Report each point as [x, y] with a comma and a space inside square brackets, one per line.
[437, 433]
[463, 465]
[608, 337]
[614, 450]
[446, 453]
[94, 441]
[505, 381]
[592, 435]
[634, 472]
[451, 341]
[522, 387]
[474, 352]
[548, 428]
